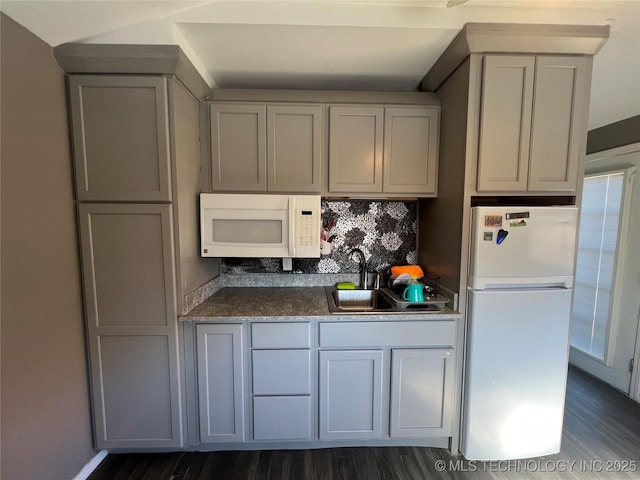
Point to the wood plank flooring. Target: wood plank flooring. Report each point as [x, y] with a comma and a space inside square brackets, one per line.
[601, 440]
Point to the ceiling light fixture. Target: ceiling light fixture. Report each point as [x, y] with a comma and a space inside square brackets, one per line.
[455, 3]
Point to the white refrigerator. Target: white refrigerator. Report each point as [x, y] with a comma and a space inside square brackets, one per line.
[518, 310]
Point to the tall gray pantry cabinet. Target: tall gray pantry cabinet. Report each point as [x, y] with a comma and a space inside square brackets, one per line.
[137, 173]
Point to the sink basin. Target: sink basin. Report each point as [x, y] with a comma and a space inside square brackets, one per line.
[360, 300]
[368, 301]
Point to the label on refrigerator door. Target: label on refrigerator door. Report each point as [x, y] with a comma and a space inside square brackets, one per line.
[493, 220]
[488, 236]
[513, 215]
[521, 222]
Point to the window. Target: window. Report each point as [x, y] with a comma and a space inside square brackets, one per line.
[601, 221]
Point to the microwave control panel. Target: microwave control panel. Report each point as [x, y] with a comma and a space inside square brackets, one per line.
[307, 226]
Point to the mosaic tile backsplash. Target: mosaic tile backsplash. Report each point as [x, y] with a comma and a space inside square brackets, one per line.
[384, 231]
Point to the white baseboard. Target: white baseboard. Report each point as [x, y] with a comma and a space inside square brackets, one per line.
[91, 466]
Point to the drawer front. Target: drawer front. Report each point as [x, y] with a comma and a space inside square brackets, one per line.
[387, 334]
[280, 335]
[282, 418]
[281, 372]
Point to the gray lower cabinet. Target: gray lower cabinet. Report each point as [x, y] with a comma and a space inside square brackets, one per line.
[351, 393]
[220, 382]
[398, 372]
[377, 149]
[530, 123]
[257, 147]
[130, 301]
[421, 392]
[282, 382]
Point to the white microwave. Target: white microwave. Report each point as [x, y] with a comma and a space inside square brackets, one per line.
[278, 226]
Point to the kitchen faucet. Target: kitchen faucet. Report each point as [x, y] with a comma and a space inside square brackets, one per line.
[364, 276]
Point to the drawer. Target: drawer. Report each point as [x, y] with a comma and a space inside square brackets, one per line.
[281, 372]
[282, 418]
[387, 334]
[280, 335]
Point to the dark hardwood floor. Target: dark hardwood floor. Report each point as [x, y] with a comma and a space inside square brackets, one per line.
[601, 440]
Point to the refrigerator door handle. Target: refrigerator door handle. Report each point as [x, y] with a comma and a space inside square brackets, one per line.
[491, 283]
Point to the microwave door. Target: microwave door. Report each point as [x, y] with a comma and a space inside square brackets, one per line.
[245, 233]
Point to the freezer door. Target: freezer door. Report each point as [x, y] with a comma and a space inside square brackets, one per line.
[522, 245]
[515, 373]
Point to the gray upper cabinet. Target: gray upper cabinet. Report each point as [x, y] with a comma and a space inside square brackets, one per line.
[559, 105]
[259, 147]
[529, 123]
[505, 122]
[294, 148]
[378, 150]
[355, 149]
[238, 147]
[410, 150]
[133, 110]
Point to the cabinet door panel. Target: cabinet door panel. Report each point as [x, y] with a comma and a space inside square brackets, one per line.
[355, 149]
[410, 150]
[350, 394]
[294, 142]
[282, 418]
[120, 138]
[220, 382]
[281, 372]
[238, 147]
[134, 381]
[280, 335]
[557, 120]
[421, 392]
[128, 263]
[505, 123]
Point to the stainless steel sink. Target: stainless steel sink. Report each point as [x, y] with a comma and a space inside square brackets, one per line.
[367, 301]
[360, 300]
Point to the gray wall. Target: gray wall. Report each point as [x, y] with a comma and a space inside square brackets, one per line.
[624, 132]
[45, 424]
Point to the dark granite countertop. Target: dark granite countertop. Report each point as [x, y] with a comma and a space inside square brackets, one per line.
[278, 303]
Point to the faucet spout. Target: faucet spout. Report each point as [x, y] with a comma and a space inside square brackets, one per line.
[364, 278]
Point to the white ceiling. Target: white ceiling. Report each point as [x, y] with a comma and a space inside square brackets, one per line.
[342, 44]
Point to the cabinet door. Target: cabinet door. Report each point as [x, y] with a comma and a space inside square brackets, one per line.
[238, 147]
[355, 149]
[560, 94]
[281, 372]
[220, 382]
[120, 138]
[294, 148]
[282, 418]
[350, 394]
[129, 289]
[410, 150]
[505, 123]
[421, 392]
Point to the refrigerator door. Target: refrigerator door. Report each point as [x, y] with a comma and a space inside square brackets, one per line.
[522, 246]
[516, 371]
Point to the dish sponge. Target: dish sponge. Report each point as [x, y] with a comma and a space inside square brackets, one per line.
[414, 270]
[345, 286]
